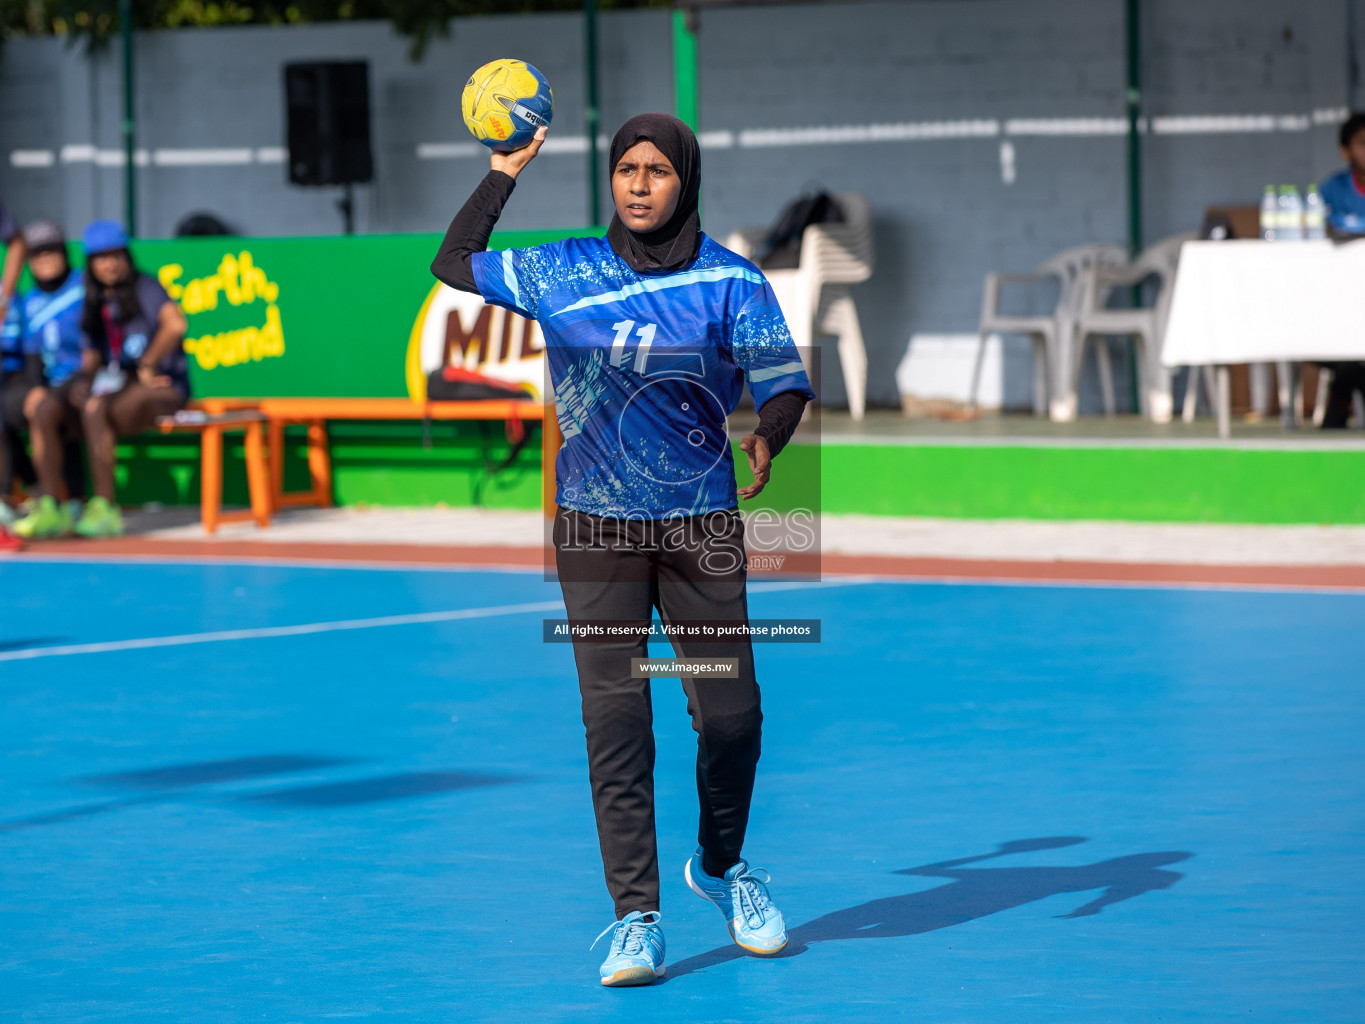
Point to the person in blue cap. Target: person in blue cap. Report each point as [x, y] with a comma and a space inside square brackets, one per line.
[137, 331]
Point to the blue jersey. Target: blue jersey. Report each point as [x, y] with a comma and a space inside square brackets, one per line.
[1345, 203]
[12, 340]
[52, 326]
[646, 368]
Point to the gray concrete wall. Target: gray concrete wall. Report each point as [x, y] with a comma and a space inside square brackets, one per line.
[1044, 78]
[221, 89]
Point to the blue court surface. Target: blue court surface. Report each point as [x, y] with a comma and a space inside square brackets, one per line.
[977, 803]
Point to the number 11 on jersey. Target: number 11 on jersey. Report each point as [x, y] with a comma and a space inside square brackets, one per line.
[618, 345]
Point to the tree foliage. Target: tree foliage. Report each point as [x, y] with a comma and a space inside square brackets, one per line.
[91, 23]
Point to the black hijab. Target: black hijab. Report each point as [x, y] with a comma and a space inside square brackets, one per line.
[676, 243]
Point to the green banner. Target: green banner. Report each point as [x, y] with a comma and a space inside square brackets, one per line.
[302, 317]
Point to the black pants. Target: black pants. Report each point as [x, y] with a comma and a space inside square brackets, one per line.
[1347, 378]
[14, 460]
[14, 457]
[689, 569]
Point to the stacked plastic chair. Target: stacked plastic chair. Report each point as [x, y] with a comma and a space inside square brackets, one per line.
[816, 296]
[1052, 333]
[1146, 325]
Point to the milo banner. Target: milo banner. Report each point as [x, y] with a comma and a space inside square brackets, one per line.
[357, 317]
[456, 328]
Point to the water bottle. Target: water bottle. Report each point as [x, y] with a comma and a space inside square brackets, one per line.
[1314, 215]
[1290, 227]
[1270, 214]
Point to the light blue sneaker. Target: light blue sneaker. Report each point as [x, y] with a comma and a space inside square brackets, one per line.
[637, 950]
[742, 896]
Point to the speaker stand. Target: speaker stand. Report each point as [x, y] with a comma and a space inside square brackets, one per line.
[346, 204]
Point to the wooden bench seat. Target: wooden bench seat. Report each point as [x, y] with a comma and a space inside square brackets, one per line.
[210, 426]
[314, 413]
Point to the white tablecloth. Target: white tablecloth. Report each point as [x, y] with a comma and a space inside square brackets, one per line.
[1252, 301]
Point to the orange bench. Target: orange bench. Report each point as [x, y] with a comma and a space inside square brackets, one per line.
[210, 427]
[313, 413]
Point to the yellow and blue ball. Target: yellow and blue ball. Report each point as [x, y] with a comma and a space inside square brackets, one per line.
[504, 102]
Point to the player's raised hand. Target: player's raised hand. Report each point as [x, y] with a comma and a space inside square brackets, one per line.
[511, 164]
[760, 464]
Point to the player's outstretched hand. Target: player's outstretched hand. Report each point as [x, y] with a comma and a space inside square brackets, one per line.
[760, 464]
[511, 164]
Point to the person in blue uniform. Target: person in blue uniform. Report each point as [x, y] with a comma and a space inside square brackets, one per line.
[57, 367]
[10, 270]
[1344, 192]
[16, 379]
[651, 335]
[1344, 196]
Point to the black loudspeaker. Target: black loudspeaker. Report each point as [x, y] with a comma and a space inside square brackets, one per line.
[327, 107]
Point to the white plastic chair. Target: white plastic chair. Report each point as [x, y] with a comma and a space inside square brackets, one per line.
[1199, 375]
[817, 295]
[1048, 331]
[1146, 325]
[1320, 399]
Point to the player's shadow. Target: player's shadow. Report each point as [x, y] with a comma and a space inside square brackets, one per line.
[197, 781]
[972, 893]
[207, 773]
[402, 786]
[24, 643]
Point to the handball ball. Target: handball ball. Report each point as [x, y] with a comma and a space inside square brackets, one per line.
[504, 102]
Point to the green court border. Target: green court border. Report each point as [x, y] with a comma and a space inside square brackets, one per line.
[1147, 483]
[389, 464]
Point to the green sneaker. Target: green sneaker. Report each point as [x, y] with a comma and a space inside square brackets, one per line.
[47, 519]
[101, 518]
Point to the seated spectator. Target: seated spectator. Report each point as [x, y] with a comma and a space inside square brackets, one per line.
[9, 280]
[1347, 379]
[1344, 195]
[14, 385]
[57, 381]
[137, 331]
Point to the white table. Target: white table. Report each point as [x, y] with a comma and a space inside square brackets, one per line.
[1260, 302]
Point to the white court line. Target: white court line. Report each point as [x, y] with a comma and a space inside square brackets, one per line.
[455, 615]
[841, 581]
[1027, 581]
[829, 579]
[342, 625]
[305, 629]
